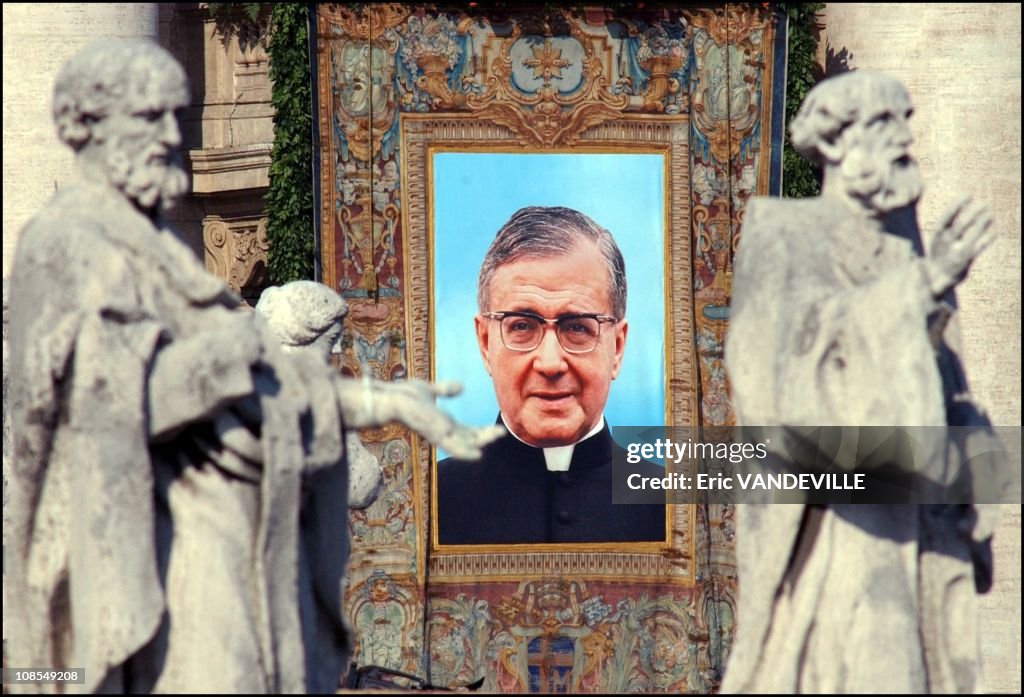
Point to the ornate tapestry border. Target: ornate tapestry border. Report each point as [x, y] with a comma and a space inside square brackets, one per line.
[422, 135]
[712, 67]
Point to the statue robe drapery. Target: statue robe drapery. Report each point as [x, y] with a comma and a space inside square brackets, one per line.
[143, 548]
[832, 324]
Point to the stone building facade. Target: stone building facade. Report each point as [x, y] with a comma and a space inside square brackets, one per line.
[227, 129]
[960, 62]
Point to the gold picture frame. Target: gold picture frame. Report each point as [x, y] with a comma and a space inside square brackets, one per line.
[702, 83]
[421, 137]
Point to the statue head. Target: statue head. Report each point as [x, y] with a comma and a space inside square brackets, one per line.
[304, 315]
[855, 126]
[114, 104]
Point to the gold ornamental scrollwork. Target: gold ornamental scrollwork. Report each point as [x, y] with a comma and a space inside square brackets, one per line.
[732, 23]
[660, 83]
[434, 81]
[362, 68]
[725, 103]
[367, 22]
[547, 118]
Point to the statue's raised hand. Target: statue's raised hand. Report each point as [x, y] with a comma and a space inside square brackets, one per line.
[965, 230]
[467, 442]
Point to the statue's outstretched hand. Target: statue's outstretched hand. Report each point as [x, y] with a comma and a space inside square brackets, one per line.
[411, 403]
[965, 230]
[467, 442]
[416, 408]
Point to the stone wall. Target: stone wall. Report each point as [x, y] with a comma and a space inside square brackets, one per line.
[227, 130]
[961, 64]
[38, 38]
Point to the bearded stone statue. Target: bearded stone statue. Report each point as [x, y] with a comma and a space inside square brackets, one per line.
[178, 490]
[838, 320]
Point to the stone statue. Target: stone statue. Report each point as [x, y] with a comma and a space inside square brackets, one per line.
[164, 443]
[837, 320]
[308, 316]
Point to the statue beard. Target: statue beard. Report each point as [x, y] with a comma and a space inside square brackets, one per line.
[885, 181]
[153, 178]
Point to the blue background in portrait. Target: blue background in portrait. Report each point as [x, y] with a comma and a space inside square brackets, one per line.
[476, 193]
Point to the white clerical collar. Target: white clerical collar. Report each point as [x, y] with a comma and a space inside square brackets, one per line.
[558, 458]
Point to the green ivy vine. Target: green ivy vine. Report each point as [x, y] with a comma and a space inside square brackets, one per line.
[282, 27]
[799, 176]
[235, 11]
[290, 198]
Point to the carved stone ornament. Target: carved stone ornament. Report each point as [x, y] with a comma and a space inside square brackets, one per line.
[236, 250]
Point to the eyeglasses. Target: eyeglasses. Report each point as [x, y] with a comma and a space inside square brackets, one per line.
[523, 331]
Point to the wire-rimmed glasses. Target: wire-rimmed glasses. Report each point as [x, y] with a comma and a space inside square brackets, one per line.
[576, 333]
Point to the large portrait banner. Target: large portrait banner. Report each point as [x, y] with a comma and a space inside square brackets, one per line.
[437, 128]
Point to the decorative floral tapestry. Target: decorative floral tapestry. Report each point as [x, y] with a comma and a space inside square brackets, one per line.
[701, 88]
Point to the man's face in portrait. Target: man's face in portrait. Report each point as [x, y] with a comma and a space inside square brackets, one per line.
[139, 139]
[549, 396]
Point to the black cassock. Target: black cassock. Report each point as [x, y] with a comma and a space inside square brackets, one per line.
[510, 497]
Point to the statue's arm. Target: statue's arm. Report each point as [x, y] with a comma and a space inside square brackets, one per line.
[368, 403]
[845, 343]
[817, 342]
[847, 339]
[196, 378]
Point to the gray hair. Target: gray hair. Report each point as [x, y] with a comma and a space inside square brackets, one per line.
[837, 103]
[100, 77]
[544, 232]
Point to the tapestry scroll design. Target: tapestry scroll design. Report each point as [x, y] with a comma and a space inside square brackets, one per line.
[547, 117]
[556, 634]
[393, 78]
